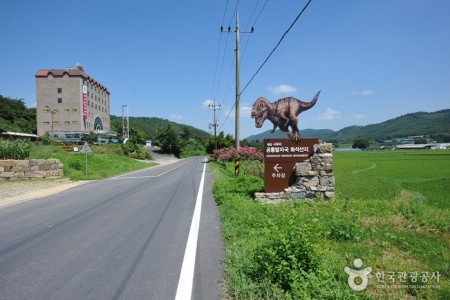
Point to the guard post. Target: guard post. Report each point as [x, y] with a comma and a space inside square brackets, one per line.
[236, 167]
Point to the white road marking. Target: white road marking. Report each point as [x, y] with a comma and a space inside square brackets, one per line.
[184, 290]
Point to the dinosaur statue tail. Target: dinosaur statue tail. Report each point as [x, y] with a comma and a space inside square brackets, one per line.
[308, 105]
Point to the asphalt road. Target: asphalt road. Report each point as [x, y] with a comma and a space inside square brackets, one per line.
[119, 238]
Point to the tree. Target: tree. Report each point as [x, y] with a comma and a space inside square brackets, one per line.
[222, 141]
[169, 140]
[15, 116]
[421, 140]
[360, 143]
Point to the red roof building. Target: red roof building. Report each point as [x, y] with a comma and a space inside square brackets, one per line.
[69, 100]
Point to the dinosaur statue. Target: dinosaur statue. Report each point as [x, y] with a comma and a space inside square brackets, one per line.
[282, 113]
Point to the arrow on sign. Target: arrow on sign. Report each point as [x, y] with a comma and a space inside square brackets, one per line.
[277, 168]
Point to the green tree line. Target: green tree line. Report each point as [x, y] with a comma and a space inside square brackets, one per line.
[15, 116]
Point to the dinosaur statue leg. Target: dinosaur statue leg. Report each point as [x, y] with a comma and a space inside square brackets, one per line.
[295, 131]
[274, 127]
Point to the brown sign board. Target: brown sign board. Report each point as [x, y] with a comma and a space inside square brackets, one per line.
[280, 157]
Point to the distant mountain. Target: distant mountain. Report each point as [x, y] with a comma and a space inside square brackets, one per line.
[151, 126]
[318, 133]
[412, 124]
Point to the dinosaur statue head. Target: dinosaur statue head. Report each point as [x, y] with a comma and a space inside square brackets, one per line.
[260, 111]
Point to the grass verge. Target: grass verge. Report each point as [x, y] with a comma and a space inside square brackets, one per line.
[391, 210]
[105, 161]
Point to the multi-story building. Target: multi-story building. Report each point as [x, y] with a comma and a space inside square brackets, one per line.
[70, 101]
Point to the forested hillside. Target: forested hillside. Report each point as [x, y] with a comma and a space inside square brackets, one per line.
[152, 126]
[435, 125]
[15, 116]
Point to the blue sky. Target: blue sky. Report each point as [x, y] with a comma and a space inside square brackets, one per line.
[373, 60]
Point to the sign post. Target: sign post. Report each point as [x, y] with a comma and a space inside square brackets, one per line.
[86, 149]
[280, 157]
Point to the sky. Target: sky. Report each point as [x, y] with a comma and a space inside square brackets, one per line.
[372, 60]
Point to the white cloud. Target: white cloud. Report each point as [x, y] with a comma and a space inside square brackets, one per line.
[176, 117]
[281, 89]
[358, 116]
[366, 93]
[207, 103]
[245, 110]
[329, 115]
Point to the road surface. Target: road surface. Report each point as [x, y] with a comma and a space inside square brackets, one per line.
[120, 238]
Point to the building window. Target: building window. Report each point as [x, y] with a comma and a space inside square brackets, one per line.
[74, 122]
[66, 109]
[56, 123]
[66, 122]
[46, 110]
[59, 100]
[59, 90]
[74, 110]
[46, 123]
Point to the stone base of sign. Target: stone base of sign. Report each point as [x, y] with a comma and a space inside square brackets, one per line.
[30, 169]
[314, 178]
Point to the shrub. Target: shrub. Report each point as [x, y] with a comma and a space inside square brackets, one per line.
[284, 256]
[232, 154]
[46, 139]
[16, 149]
[345, 228]
[76, 165]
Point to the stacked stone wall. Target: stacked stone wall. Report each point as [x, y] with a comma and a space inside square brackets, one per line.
[30, 169]
[314, 178]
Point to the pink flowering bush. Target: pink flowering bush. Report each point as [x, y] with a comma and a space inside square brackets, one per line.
[250, 158]
[232, 154]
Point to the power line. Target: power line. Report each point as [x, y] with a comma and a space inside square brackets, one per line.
[254, 23]
[279, 42]
[213, 92]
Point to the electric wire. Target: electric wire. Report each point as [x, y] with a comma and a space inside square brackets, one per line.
[228, 90]
[218, 54]
[275, 48]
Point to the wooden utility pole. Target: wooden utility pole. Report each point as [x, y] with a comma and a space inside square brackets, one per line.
[238, 96]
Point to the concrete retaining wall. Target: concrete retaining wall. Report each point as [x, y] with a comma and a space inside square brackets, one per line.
[29, 169]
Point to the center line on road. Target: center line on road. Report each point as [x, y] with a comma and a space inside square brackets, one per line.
[126, 176]
[184, 290]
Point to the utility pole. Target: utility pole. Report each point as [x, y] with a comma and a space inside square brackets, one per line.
[214, 107]
[125, 122]
[238, 90]
[52, 112]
